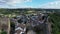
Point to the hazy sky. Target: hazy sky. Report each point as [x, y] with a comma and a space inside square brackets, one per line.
[29, 3]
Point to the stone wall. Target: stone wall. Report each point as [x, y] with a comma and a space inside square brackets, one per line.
[5, 24]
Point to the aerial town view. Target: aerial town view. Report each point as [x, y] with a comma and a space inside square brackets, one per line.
[30, 21]
[29, 16]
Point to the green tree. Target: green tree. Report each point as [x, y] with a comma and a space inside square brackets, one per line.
[3, 32]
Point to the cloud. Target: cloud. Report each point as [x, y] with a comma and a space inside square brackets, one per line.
[13, 2]
[50, 5]
[13, 7]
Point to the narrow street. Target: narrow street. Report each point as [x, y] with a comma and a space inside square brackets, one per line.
[31, 32]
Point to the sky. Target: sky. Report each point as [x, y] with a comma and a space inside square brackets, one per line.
[30, 4]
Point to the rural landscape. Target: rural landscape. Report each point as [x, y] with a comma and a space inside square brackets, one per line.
[29, 21]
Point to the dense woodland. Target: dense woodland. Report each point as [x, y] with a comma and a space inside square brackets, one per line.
[55, 17]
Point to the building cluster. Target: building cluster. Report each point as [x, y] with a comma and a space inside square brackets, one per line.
[23, 22]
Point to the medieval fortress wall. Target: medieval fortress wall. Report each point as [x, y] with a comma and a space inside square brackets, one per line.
[5, 24]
